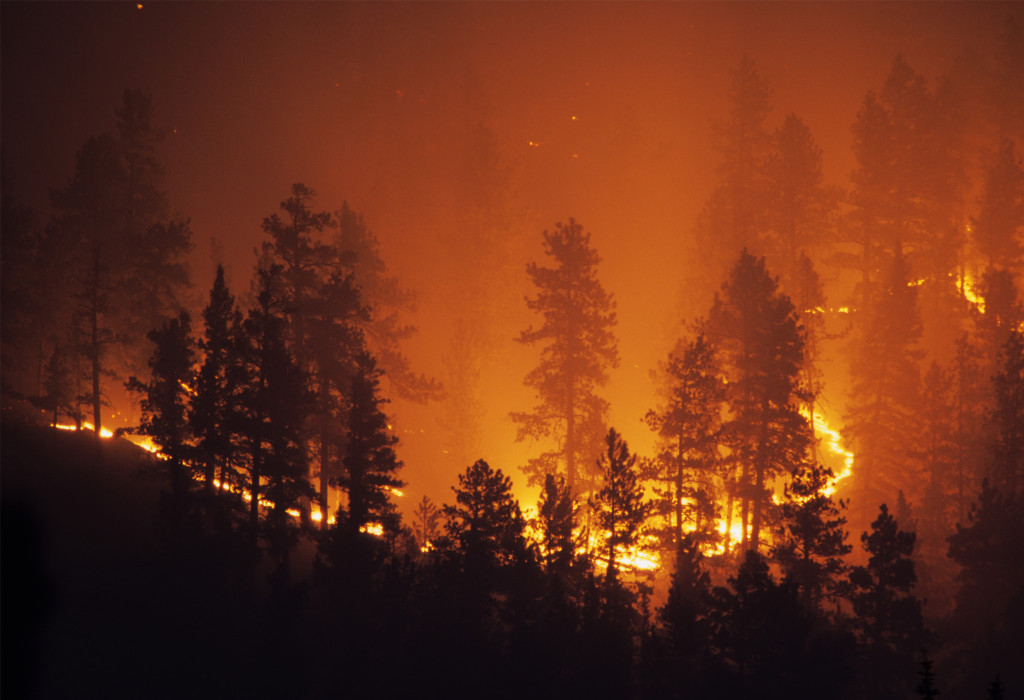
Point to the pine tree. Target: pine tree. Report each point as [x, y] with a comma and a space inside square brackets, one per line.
[128, 258]
[426, 523]
[485, 526]
[324, 310]
[619, 505]
[888, 613]
[996, 231]
[812, 542]
[684, 612]
[736, 213]
[211, 409]
[578, 350]
[558, 513]
[926, 688]
[164, 397]
[689, 430]
[882, 416]
[800, 208]
[761, 347]
[1007, 472]
[370, 461]
[387, 301]
[273, 400]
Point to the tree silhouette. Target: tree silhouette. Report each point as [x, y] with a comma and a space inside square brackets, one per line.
[211, 405]
[387, 300]
[882, 418]
[619, 505]
[128, 260]
[323, 309]
[756, 331]
[273, 402]
[1002, 210]
[800, 207]
[164, 397]
[578, 350]
[689, 429]
[888, 614]
[426, 522]
[370, 461]
[558, 513]
[736, 213]
[812, 542]
[684, 612]
[1007, 472]
[485, 525]
[926, 688]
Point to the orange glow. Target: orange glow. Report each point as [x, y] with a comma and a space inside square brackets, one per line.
[375, 529]
[104, 432]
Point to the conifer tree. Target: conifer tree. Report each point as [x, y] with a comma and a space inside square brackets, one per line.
[127, 257]
[387, 301]
[211, 405]
[273, 400]
[323, 308]
[888, 614]
[812, 542]
[164, 397]
[799, 211]
[689, 430]
[1007, 473]
[426, 522]
[882, 414]
[485, 525]
[760, 342]
[620, 505]
[684, 612]
[736, 213]
[579, 348]
[558, 512]
[370, 461]
[996, 231]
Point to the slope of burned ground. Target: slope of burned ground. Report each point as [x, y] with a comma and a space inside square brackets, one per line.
[95, 602]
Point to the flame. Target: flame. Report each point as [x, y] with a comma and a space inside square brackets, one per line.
[375, 529]
[104, 432]
[318, 517]
[970, 289]
[834, 442]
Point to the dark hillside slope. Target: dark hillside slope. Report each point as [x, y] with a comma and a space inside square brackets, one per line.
[95, 602]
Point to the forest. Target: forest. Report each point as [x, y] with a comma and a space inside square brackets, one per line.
[223, 484]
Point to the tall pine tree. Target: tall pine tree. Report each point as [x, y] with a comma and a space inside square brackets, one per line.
[578, 349]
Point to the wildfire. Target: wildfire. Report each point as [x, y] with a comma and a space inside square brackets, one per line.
[104, 432]
[834, 442]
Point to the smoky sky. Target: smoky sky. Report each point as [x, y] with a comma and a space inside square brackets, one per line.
[535, 111]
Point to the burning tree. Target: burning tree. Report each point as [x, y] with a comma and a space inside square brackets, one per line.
[579, 349]
[761, 348]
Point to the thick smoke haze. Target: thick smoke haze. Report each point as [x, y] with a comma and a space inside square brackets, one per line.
[461, 131]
